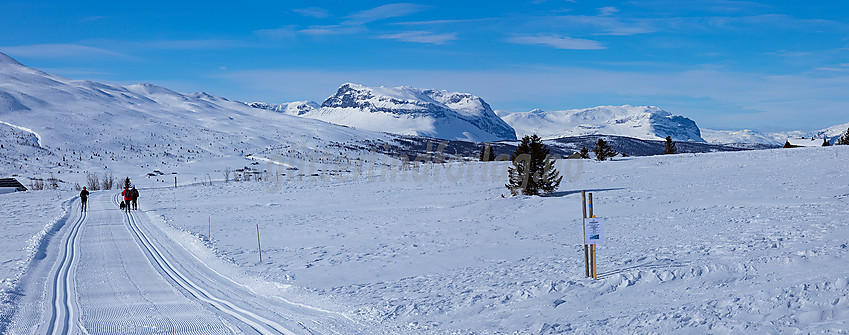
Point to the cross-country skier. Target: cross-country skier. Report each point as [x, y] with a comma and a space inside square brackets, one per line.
[128, 196]
[135, 198]
[84, 199]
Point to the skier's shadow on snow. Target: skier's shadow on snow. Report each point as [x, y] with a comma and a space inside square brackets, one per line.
[567, 193]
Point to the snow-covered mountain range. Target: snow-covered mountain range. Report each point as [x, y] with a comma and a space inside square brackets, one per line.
[54, 125]
[406, 111]
[642, 122]
[771, 138]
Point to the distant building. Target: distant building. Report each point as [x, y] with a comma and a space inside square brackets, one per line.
[805, 142]
[9, 185]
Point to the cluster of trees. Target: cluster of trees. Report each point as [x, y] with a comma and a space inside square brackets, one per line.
[844, 139]
[532, 171]
[95, 182]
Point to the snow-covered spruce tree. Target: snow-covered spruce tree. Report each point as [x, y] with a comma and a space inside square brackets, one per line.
[844, 139]
[486, 154]
[603, 151]
[127, 182]
[670, 148]
[532, 172]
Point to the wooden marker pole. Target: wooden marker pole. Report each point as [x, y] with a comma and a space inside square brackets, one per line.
[209, 231]
[586, 247]
[593, 272]
[259, 246]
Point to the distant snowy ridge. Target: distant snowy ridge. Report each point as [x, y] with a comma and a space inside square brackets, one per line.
[296, 108]
[406, 111]
[771, 138]
[641, 122]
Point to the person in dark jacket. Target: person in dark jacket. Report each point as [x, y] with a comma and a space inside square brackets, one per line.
[135, 198]
[84, 199]
[128, 196]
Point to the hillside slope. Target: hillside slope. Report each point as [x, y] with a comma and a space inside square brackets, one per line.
[68, 127]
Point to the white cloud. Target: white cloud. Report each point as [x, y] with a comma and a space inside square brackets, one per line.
[57, 51]
[332, 30]
[316, 12]
[286, 32]
[607, 11]
[384, 12]
[421, 37]
[558, 42]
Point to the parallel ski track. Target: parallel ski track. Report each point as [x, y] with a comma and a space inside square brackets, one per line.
[62, 306]
[258, 323]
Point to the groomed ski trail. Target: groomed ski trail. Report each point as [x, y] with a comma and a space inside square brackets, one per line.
[108, 271]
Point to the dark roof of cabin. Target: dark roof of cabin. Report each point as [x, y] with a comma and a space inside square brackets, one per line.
[12, 182]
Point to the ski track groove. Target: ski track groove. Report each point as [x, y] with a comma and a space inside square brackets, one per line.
[256, 322]
[62, 279]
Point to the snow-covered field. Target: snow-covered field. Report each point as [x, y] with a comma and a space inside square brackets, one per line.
[26, 221]
[742, 242]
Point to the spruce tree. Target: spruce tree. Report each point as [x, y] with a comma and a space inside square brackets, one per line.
[487, 155]
[585, 153]
[532, 172]
[603, 151]
[844, 139]
[127, 182]
[825, 142]
[670, 148]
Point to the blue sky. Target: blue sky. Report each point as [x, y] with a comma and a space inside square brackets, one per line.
[726, 64]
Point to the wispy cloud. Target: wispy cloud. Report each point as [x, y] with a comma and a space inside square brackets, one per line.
[332, 30]
[93, 18]
[384, 12]
[557, 42]
[58, 51]
[316, 12]
[421, 37]
[607, 11]
[443, 22]
[285, 32]
[193, 44]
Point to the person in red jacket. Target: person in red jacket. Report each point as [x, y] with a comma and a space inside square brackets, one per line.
[128, 196]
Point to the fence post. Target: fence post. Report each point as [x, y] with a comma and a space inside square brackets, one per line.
[583, 226]
[259, 246]
[593, 272]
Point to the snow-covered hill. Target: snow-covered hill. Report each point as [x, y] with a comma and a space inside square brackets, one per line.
[54, 125]
[407, 111]
[642, 122]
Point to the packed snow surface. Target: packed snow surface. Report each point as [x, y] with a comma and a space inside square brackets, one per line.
[749, 242]
[643, 122]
